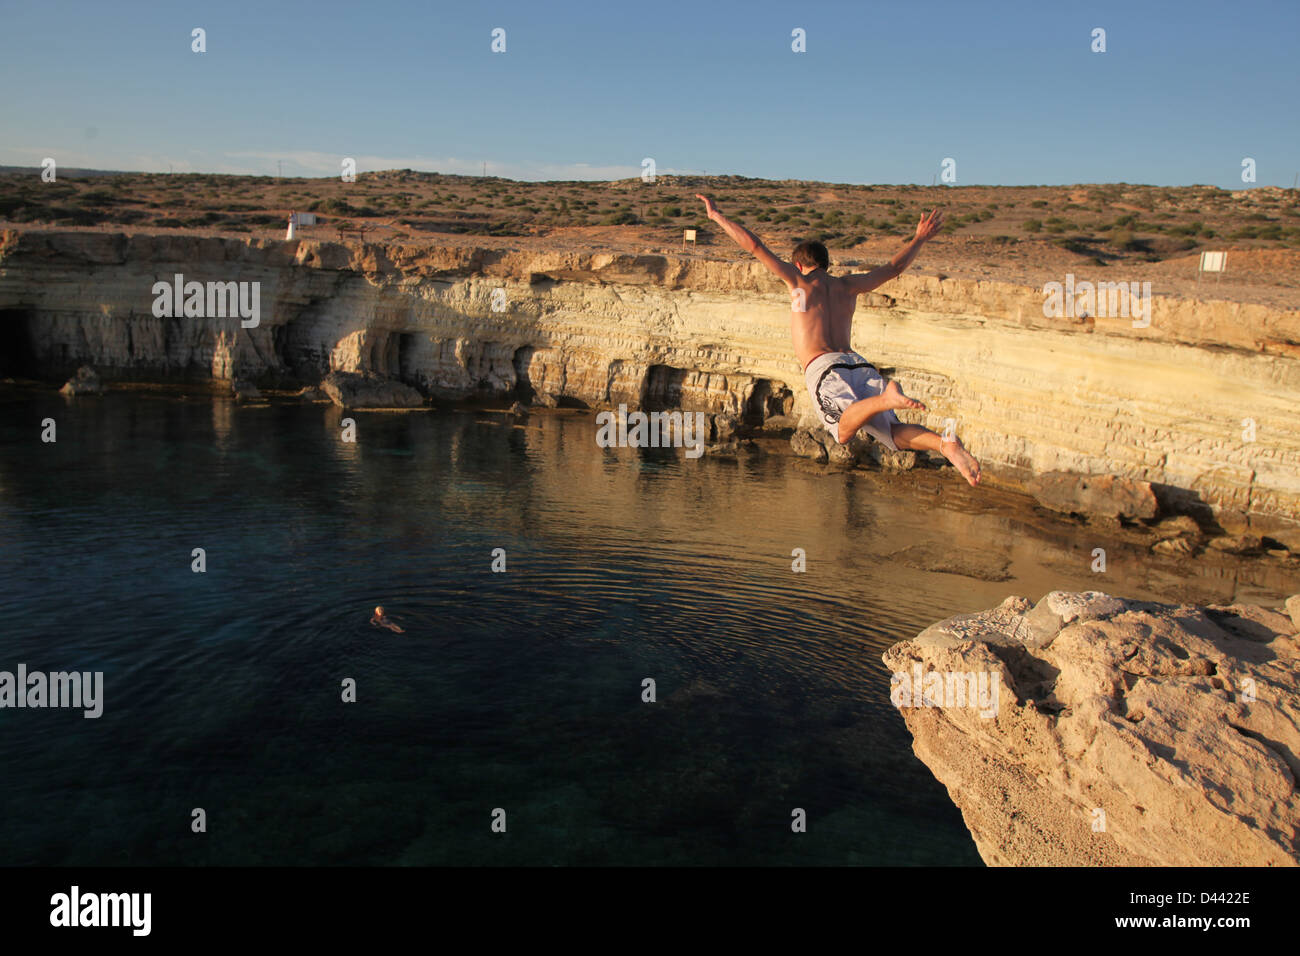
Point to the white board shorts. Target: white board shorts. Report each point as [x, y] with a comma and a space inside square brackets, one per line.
[836, 380]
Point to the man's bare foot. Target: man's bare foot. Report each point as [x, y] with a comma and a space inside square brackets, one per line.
[896, 399]
[962, 460]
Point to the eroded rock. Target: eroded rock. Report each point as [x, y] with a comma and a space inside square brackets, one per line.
[806, 445]
[1237, 544]
[725, 428]
[366, 390]
[1102, 496]
[1123, 732]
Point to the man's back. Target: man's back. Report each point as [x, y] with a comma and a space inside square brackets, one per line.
[821, 315]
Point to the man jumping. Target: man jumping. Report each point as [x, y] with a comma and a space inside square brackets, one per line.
[848, 392]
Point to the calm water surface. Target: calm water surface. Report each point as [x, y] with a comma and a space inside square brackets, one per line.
[518, 690]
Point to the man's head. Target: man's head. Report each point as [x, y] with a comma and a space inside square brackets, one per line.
[379, 612]
[809, 256]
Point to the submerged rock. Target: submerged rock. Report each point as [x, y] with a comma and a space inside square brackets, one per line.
[85, 382]
[367, 390]
[1114, 732]
[948, 560]
[1103, 496]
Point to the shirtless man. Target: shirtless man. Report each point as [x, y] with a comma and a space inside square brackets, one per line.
[380, 619]
[848, 392]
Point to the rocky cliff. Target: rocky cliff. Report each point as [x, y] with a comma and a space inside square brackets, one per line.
[1202, 403]
[1110, 732]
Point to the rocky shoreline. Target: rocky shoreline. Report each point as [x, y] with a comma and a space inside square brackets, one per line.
[1090, 730]
[1199, 405]
[1108, 507]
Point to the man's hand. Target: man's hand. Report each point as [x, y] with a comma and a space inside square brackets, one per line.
[926, 229]
[708, 205]
[929, 226]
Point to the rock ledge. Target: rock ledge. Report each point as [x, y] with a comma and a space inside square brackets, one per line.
[1092, 730]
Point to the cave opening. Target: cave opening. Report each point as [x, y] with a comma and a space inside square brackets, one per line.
[523, 358]
[663, 388]
[402, 358]
[767, 399]
[17, 352]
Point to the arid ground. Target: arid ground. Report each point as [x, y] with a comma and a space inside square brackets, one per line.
[1024, 234]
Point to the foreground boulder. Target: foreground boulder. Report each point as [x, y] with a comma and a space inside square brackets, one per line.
[367, 390]
[85, 382]
[1090, 730]
[1102, 496]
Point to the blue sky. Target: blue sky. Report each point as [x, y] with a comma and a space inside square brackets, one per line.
[885, 92]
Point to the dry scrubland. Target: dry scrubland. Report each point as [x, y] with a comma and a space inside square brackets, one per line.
[1027, 234]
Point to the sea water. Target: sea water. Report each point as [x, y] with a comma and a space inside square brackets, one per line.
[543, 581]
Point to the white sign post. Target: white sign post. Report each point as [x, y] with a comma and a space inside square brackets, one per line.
[1216, 262]
[688, 236]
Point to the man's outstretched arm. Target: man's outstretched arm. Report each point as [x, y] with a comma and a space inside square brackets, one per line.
[751, 243]
[926, 230]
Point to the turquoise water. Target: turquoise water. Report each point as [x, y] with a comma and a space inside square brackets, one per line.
[518, 690]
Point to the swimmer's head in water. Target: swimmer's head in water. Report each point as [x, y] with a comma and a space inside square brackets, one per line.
[379, 612]
[811, 255]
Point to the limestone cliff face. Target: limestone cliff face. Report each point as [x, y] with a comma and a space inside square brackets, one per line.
[1168, 403]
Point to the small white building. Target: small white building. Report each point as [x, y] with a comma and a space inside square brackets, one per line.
[297, 219]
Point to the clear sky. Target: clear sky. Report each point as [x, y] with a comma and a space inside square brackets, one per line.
[1011, 91]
